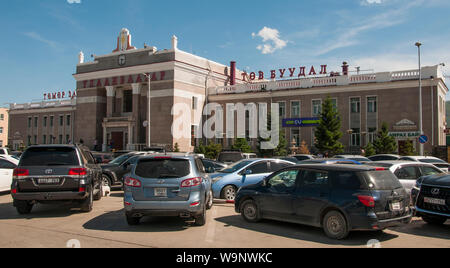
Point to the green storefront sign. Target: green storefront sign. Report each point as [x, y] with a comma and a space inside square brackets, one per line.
[404, 134]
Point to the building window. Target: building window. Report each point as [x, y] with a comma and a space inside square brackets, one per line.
[282, 109]
[44, 139]
[35, 122]
[316, 108]
[29, 140]
[334, 102]
[44, 121]
[194, 103]
[1, 130]
[68, 120]
[295, 109]
[356, 137]
[60, 139]
[67, 139]
[51, 139]
[51, 121]
[2, 117]
[35, 139]
[355, 105]
[371, 134]
[1, 143]
[372, 104]
[295, 136]
[61, 120]
[193, 134]
[127, 101]
[29, 122]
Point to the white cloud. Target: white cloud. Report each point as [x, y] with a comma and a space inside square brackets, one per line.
[39, 38]
[74, 1]
[271, 40]
[372, 2]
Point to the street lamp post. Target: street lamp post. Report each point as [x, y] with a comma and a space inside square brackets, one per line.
[148, 110]
[421, 146]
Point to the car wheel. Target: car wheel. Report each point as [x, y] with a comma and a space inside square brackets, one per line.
[23, 207]
[229, 193]
[210, 199]
[435, 220]
[250, 211]
[132, 220]
[106, 180]
[88, 203]
[335, 225]
[99, 195]
[200, 220]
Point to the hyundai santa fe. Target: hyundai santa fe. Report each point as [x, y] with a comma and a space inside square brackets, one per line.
[338, 198]
[168, 185]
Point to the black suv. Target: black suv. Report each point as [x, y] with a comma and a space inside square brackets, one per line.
[432, 195]
[55, 173]
[338, 198]
[113, 171]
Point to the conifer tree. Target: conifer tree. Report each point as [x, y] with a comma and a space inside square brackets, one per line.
[329, 131]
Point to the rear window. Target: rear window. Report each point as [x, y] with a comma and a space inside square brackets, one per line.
[432, 161]
[382, 180]
[345, 180]
[163, 168]
[50, 156]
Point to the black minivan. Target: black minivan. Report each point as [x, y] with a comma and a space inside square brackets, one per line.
[338, 198]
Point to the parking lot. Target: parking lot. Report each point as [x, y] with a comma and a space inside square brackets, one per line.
[58, 226]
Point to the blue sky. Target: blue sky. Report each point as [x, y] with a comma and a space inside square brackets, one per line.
[41, 39]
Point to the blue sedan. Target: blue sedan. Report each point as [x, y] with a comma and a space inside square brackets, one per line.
[243, 173]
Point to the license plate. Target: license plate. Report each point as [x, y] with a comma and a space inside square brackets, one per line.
[396, 206]
[49, 181]
[434, 201]
[161, 192]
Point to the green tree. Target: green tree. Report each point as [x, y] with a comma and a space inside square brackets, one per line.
[370, 150]
[383, 143]
[176, 149]
[328, 132]
[281, 149]
[242, 144]
[408, 149]
[213, 150]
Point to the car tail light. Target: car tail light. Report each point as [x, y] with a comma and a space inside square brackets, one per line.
[195, 204]
[367, 201]
[82, 190]
[19, 172]
[191, 182]
[14, 191]
[380, 168]
[132, 182]
[78, 172]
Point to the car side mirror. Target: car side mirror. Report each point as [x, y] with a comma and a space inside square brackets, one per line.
[246, 172]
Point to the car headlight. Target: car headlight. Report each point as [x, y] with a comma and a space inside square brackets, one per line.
[216, 179]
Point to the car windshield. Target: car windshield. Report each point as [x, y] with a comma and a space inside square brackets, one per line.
[163, 168]
[433, 160]
[50, 156]
[236, 166]
[119, 160]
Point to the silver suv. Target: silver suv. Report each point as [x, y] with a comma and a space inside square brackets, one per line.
[167, 185]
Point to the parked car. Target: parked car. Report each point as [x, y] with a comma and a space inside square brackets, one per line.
[384, 157]
[302, 157]
[168, 185]
[112, 172]
[338, 198]
[53, 173]
[328, 161]
[432, 196]
[121, 152]
[408, 172]
[230, 157]
[212, 166]
[428, 159]
[245, 172]
[288, 158]
[102, 158]
[249, 155]
[7, 166]
[358, 158]
[4, 151]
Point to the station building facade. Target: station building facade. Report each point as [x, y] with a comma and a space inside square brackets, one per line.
[111, 108]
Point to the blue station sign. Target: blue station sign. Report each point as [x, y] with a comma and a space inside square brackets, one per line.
[301, 122]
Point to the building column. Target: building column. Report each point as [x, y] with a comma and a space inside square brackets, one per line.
[137, 88]
[105, 142]
[110, 100]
